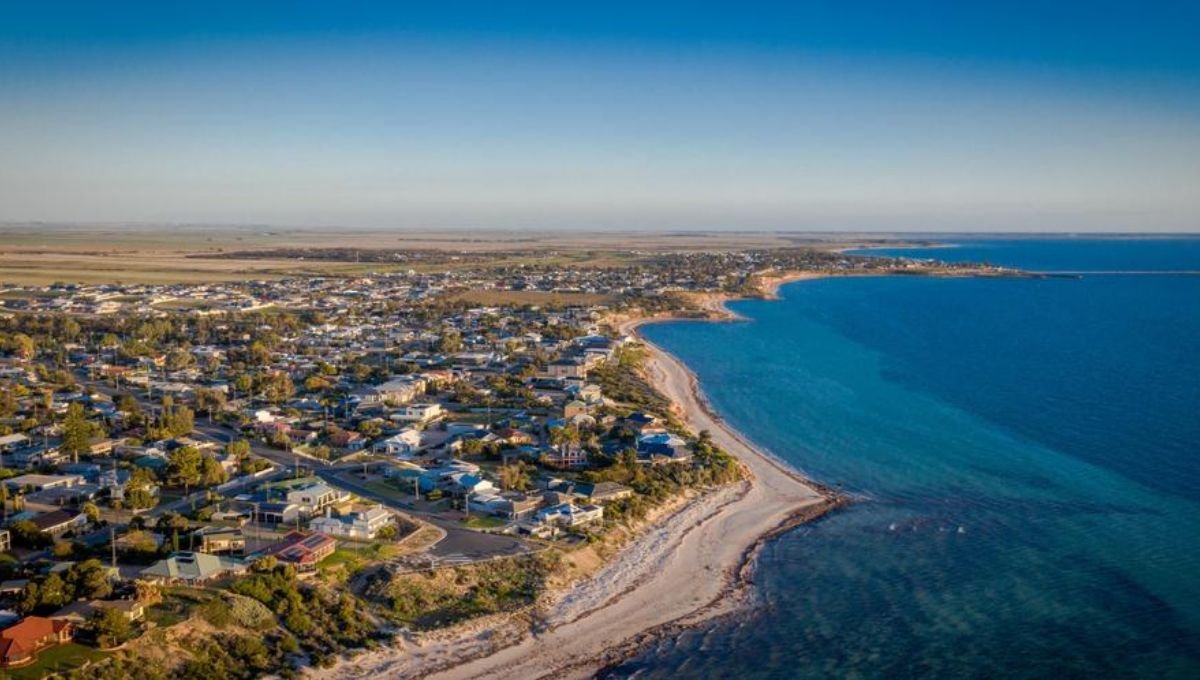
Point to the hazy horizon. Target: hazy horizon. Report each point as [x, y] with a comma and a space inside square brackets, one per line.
[817, 118]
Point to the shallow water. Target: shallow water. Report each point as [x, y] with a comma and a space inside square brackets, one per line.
[1027, 452]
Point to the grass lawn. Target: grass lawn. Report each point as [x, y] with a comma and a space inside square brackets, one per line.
[484, 522]
[57, 659]
[351, 557]
[391, 490]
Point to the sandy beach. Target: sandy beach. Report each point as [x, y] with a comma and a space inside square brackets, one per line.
[694, 565]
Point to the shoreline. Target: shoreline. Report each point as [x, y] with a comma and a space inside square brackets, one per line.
[711, 543]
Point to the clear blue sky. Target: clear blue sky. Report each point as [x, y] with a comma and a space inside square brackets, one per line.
[743, 115]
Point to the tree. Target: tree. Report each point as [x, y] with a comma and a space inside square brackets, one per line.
[76, 431]
[148, 592]
[26, 533]
[178, 359]
[211, 472]
[450, 341]
[514, 477]
[210, 401]
[278, 387]
[110, 627]
[89, 579]
[184, 467]
[92, 511]
[239, 448]
[54, 592]
[22, 346]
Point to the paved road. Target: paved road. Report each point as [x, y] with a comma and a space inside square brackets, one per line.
[459, 545]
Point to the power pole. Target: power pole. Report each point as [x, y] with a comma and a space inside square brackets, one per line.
[112, 540]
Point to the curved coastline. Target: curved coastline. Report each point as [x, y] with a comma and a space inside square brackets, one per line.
[692, 566]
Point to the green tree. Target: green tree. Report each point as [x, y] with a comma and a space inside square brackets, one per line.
[110, 627]
[92, 511]
[211, 472]
[22, 346]
[184, 467]
[77, 431]
[26, 533]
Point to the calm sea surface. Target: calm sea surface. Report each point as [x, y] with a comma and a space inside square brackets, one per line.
[1027, 452]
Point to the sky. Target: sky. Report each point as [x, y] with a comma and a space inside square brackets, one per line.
[850, 115]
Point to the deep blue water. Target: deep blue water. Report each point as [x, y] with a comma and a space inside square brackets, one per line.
[1027, 452]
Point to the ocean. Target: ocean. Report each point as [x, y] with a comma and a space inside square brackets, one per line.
[1025, 453]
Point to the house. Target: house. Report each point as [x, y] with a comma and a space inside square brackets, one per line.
[21, 642]
[590, 394]
[463, 483]
[564, 457]
[348, 440]
[567, 368]
[5, 540]
[361, 524]
[81, 611]
[404, 443]
[574, 408]
[42, 482]
[643, 423]
[418, 413]
[192, 568]
[218, 540]
[602, 492]
[507, 506]
[400, 390]
[663, 446]
[60, 521]
[277, 513]
[131, 609]
[304, 550]
[570, 515]
[315, 497]
[12, 442]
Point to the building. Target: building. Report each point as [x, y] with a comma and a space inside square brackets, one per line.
[418, 413]
[277, 513]
[21, 642]
[663, 447]
[602, 492]
[404, 443]
[363, 525]
[315, 497]
[217, 540]
[567, 368]
[81, 611]
[507, 506]
[571, 515]
[574, 408]
[192, 568]
[42, 482]
[59, 521]
[5, 540]
[564, 457]
[304, 550]
[397, 391]
[12, 442]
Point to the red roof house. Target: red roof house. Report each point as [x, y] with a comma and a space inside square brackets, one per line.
[21, 642]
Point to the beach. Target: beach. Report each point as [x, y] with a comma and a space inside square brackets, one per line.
[692, 566]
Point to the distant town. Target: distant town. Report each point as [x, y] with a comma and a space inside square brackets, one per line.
[248, 477]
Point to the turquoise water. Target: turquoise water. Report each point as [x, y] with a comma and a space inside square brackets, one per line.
[1026, 452]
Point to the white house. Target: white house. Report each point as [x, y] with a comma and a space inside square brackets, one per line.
[571, 515]
[418, 413]
[316, 497]
[360, 524]
[404, 443]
